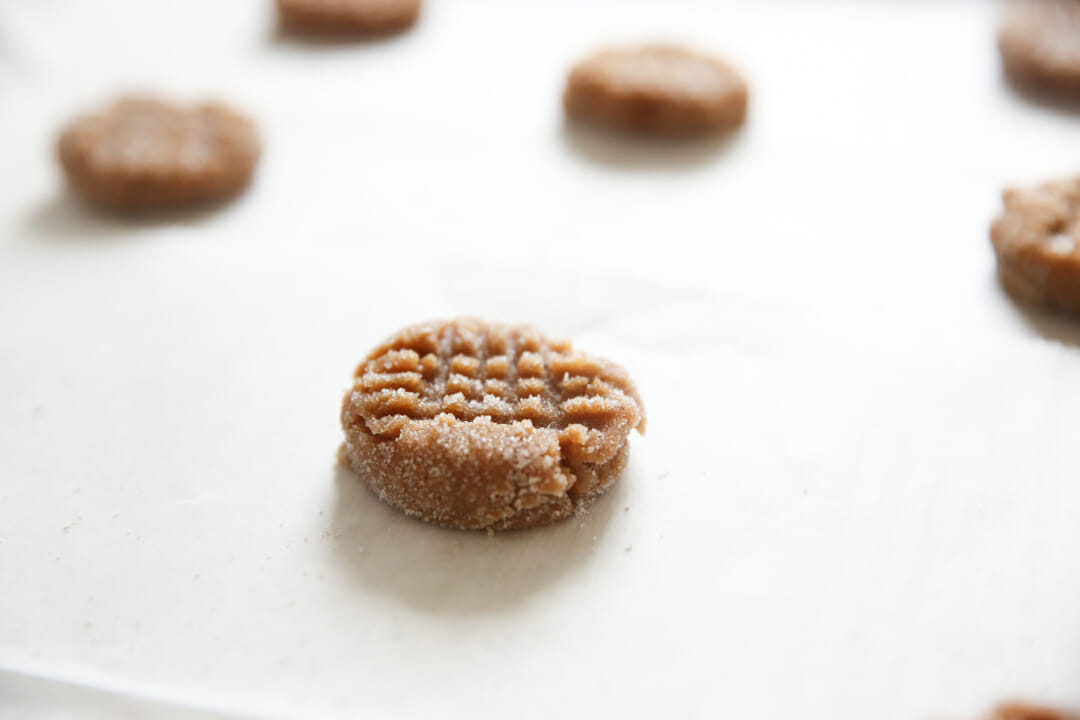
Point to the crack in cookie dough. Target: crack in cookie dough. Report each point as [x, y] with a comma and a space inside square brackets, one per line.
[1037, 243]
[477, 425]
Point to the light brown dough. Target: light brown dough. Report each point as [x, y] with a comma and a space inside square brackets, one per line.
[347, 17]
[142, 153]
[476, 425]
[657, 89]
[1037, 242]
[1039, 42]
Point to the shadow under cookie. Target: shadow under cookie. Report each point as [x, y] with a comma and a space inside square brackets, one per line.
[285, 38]
[457, 572]
[1050, 325]
[66, 217]
[1057, 327]
[1047, 99]
[623, 150]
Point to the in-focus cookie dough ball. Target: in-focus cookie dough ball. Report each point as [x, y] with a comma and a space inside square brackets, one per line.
[142, 153]
[657, 89]
[1037, 242]
[347, 17]
[476, 425]
[1039, 42]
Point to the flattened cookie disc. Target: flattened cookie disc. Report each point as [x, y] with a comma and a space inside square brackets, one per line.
[143, 153]
[1039, 42]
[476, 425]
[1037, 242]
[345, 17]
[658, 89]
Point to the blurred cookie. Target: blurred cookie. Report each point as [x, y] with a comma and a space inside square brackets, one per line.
[658, 89]
[347, 17]
[476, 425]
[1020, 711]
[142, 153]
[1037, 242]
[1039, 42]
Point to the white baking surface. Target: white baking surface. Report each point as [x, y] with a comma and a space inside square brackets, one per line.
[858, 496]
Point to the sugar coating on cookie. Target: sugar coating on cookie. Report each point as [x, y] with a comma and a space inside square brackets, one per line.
[344, 17]
[146, 153]
[1023, 711]
[475, 425]
[1037, 243]
[658, 89]
[1039, 41]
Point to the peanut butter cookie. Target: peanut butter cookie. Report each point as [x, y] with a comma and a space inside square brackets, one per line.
[347, 17]
[475, 425]
[141, 153]
[1021, 711]
[1039, 42]
[657, 89]
[1037, 242]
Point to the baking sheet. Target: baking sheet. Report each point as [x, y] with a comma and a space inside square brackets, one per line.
[857, 496]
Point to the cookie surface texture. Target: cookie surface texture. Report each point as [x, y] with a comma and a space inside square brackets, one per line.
[144, 154]
[475, 425]
[347, 17]
[1037, 243]
[1039, 42]
[656, 89]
